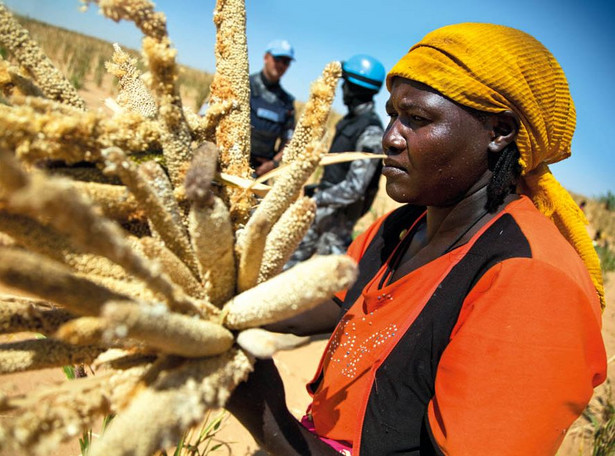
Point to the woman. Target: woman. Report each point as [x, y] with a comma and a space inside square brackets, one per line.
[474, 325]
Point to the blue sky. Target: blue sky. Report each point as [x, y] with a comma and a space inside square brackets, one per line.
[581, 35]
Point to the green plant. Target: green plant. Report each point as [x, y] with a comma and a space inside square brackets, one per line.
[79, 66]
[202, 443]
[607, 258]
[86, 438]
[604, 427]
[604, 440]
[100, 71]
[69, 371]
[608, 200]
[85, 441]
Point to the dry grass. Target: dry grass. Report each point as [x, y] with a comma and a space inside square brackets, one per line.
[599, 216]
[82, 59]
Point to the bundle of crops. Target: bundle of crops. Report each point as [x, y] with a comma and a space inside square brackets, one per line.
[129, 249]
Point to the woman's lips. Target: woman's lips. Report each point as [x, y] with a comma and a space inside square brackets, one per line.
[391, 169]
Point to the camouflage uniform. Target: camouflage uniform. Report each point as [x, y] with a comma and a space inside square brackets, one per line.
[346, 190]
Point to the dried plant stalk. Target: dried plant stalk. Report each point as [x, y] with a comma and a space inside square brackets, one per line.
[160, 58]
[231, 82]
[115, 201]
[72, 214]
[167, 332]
[141, 12]
[305, 285]
[285, 190]
[83, 173]
[285, 236]
[212, 239]
[13, 83]
[159, 181]
[132, 93]
[47, 241]
[210, 226]
[204, 128]
[21, 314]
[177, 271]
[177, 137]
[42, 353]
[18, 42]
[82, 331]
[135, 289]
[172, 234]
[58, 136]
[60, 413]
[176, 401]
[51, 281]
[45, 105]
[311, 125]
[251, 248]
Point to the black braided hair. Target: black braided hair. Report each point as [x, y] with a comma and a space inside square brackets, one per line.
[506, 170]
[505, 167]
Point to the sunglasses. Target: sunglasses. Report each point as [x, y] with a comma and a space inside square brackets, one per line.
[283, 60]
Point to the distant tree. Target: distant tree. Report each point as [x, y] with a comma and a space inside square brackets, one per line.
[608, 200]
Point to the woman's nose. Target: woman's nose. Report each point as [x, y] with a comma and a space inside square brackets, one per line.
[392, 142]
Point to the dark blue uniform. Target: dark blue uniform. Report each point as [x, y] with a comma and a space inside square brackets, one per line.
[272, 117]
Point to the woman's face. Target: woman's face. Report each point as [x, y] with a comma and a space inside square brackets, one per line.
[436, 150]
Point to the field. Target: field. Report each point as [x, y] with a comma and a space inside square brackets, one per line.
[82, 59]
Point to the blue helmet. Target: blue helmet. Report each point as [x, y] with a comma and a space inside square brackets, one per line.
[281, 48]
[365, 71]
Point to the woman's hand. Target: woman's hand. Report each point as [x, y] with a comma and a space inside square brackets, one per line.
[259, 404]
[322, 319]
[262, 390]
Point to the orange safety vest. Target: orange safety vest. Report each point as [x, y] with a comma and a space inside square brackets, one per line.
[492, 348]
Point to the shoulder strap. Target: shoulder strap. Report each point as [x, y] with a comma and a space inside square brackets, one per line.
[380, 248]
[256, 85]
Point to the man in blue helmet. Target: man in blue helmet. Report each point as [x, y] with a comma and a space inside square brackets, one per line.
[272, 111]
[347, 190]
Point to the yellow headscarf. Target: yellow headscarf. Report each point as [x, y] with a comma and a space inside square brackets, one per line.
[493, 68]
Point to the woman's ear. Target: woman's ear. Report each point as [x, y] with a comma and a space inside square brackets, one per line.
[504, 129]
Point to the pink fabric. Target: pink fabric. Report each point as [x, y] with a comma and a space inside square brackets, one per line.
[340, 447]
